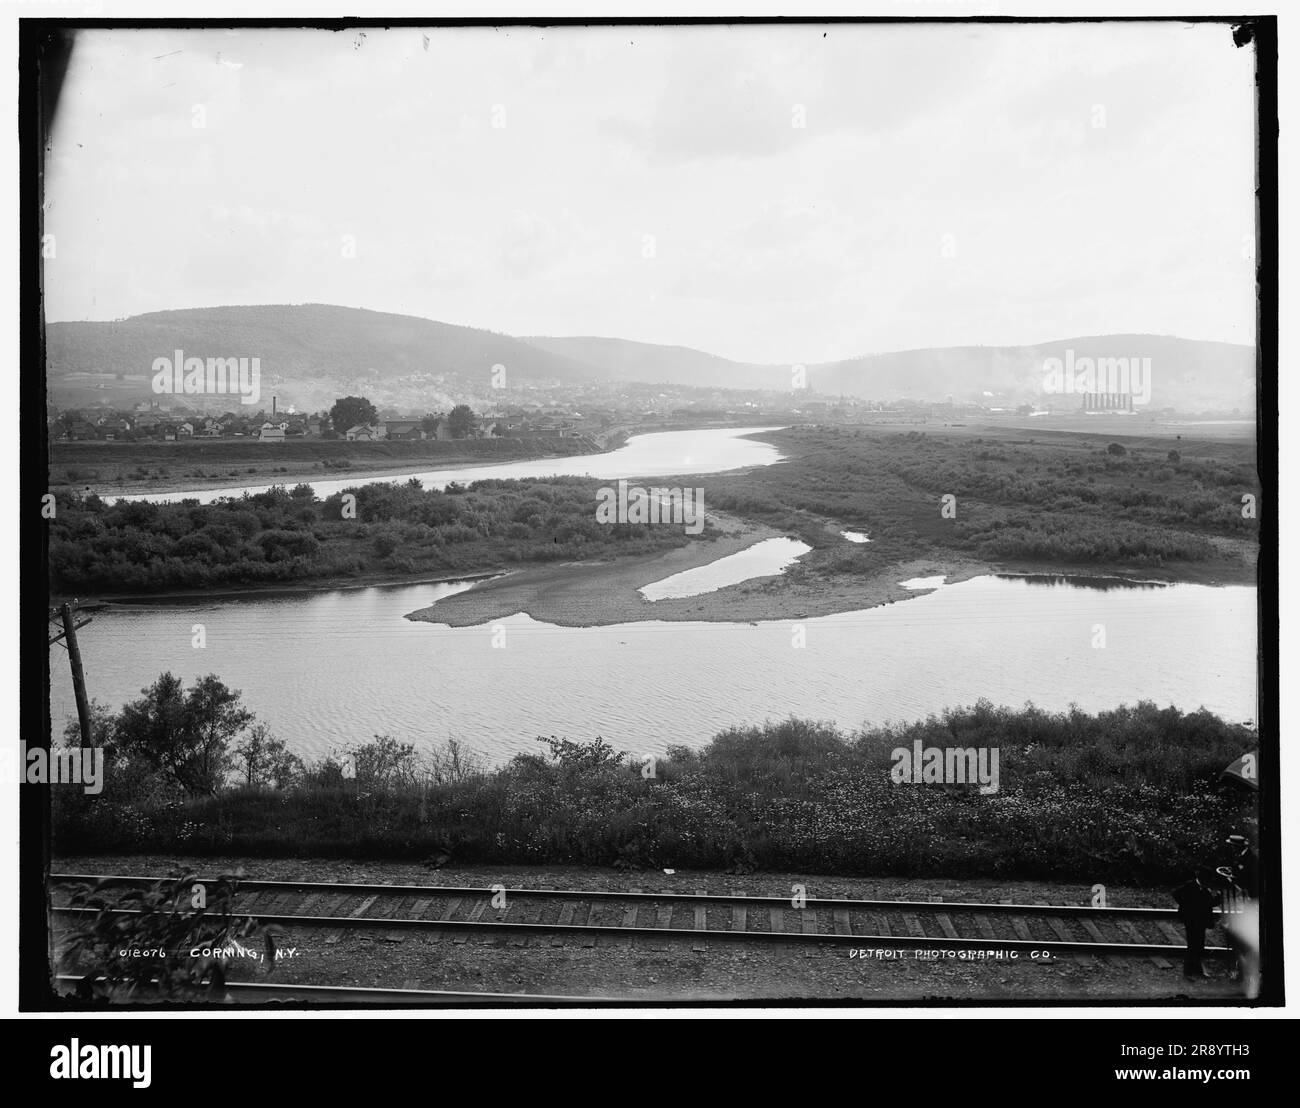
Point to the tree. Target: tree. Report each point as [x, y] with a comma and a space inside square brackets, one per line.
[1116, 449]
[430, 423]
[103, 725]
[186, 736]
[265, 760]
[352, 411]
[376, 764]
[1174, 457]
[461, 421]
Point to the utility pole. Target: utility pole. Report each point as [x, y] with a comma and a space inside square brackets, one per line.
[69, 634]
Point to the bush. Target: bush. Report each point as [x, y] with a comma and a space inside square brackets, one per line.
[137, 943]
[1132, 795]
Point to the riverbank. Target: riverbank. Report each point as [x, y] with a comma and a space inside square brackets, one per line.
[269, 591]
[597, 593]
[1130, 794]
[136, 469]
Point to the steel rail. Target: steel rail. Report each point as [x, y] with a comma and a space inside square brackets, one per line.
[381, 923]
[608, 895]
[274, 991]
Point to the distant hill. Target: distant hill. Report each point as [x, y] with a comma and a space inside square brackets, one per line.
[1187, 374]
[624, 360]
[312, 353]
[308, 352]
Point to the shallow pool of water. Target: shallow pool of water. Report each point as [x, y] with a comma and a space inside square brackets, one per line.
[763, 559]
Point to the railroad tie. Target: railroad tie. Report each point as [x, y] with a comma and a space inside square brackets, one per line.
[531, 915]
[808, 924]
[946, 924]
[740, 915]
[1171, 933]
[437, 911]
[776, 916]
[880, 924]
[394, 934]
[588, 914]
[914, 926]
[843, 925]
[269, 907]
[360, 910]
[310, 905]
[663, 919]
[629, 920]
[1131, 933]
[986, 928]
[1063, 933]
[701, 921]
[1094, 933]
[476, 913]
[1021, 929]
[566, 920]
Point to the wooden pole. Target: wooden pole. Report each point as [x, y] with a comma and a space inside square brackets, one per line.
[78, 676]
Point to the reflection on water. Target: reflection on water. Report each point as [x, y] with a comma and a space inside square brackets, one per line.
[334, 668]
[714, 450]
[1076, 581]
[854, 536]
[763, 559]
[923, 582]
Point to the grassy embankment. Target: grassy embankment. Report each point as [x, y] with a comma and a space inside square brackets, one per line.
[1133, 795]
[286, 536]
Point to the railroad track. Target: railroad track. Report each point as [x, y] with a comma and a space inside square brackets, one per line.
[560, 917]
[265, 992]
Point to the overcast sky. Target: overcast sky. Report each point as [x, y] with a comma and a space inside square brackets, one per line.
[950, 185]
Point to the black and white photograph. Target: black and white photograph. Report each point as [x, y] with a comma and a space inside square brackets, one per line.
[592, 513]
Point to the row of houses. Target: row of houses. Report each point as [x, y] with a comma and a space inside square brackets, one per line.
[111, 429]
[402, 430]
[414, 429]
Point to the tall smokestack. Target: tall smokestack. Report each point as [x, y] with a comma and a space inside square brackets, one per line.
[273, 405]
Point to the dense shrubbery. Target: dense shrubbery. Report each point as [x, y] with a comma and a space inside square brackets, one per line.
[1129, 795]
[291, 535]
[1064, 502]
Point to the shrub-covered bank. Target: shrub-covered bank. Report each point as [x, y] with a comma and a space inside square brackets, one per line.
[291, 535]
[1131, 795]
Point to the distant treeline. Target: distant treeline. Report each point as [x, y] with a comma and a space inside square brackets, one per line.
[286, 535]
[1131, 795]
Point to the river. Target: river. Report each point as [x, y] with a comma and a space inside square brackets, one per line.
[660, 454]
[328, 669]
